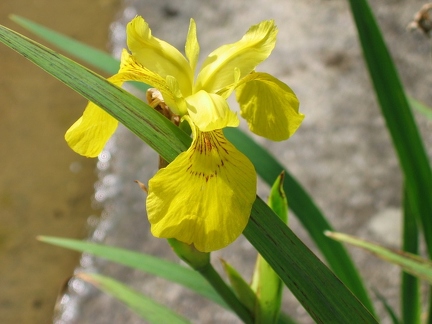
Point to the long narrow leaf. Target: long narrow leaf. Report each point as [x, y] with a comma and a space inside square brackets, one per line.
[410, 289]
[390, 311]
[420, 107]
[147, 263]
[95, 57]
[306, 210]
[265, 282]
[399, 119]
[90, 55]
[302, 271]
[315, 286]
[141, 119]
[397, 113]
[266, 165]
[411, 263]
[144, 306]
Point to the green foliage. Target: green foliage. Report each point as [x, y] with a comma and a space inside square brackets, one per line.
[411, 263]
[143, 262]
[406, 139]
[265, 282]
[144, 306]
[398, 115]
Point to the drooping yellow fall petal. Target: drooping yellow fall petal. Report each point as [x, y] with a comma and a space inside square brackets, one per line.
[209, 111]
[204, 197]
[192, 48]
[269, 106]
[158, 56]
[256, 45]
[89, 134]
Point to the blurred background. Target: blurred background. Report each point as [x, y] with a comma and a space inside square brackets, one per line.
[342, 154]
[45, 188]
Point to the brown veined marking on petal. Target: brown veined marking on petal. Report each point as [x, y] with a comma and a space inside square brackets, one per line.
[207, 136]
[206, 142]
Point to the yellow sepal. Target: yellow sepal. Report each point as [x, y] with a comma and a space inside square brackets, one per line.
[89, 134]
[204, 197]
[269, 106]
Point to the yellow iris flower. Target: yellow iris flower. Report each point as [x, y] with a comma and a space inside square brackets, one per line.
[204, 197]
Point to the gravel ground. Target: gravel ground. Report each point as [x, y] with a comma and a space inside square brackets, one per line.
[342, 153]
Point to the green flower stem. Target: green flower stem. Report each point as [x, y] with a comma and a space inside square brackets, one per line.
[213, 277]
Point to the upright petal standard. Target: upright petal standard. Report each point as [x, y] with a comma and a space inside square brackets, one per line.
[205, 196]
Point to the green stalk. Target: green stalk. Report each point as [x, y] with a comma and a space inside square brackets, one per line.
[410, 294]
[213, 277]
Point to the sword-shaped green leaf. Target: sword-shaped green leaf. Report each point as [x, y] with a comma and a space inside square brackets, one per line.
[411, 263]
[144, 306]
[143, 262]
[398, 115]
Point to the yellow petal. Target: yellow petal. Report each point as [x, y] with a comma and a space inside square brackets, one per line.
[179, 103]
[209, 111]
[192, 46]
[158, 56]
[205, 196]
[226, 91]
[269, 106]
[256, 45]
[131, 70]
[89, 134]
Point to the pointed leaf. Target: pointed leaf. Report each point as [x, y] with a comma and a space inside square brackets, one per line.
[143, 262]
[420, 107]
[96, 58]
[241, 288]
[388, 308]
[303, 273]
[411, 307]
[278, 200]
[411, 263]
[132, 112]
[398, 115]
[144, 306]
